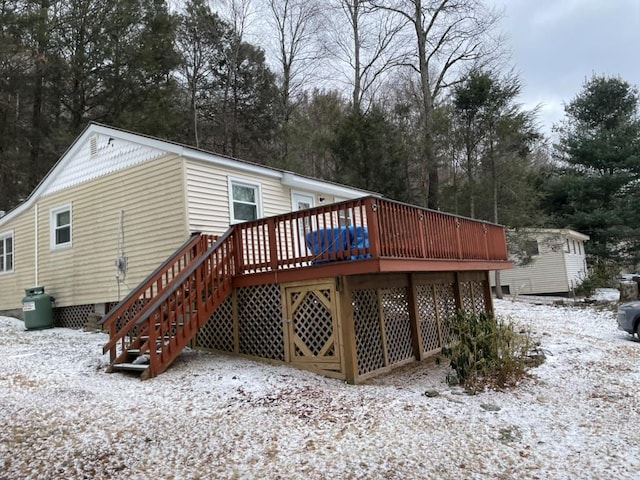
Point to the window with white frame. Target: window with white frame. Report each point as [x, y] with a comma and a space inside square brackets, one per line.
[344, 216]
[61, 227]
[245, 200]
[6, 252]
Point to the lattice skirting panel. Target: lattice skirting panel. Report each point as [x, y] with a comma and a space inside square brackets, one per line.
[436, 307]
[397, 324]
[260, 332]
[474, 299]
[366, 319]
[382, 323]
[257, 312]
[72, 317]
[217, 333]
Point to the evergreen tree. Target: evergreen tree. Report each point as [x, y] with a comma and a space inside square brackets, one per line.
[369, 155]
[600, 150]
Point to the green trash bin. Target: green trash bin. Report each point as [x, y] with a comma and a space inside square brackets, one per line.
[37, 309]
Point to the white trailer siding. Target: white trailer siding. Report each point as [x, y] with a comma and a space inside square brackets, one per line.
[558, 268]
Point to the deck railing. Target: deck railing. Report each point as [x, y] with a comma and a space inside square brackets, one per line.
[364, 228]
[121, 320]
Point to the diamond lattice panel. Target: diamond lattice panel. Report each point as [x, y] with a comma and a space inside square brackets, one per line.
[217, 333]
[428, 318]
[72, 317]
[479, 304]
[397, 324]
[446, 303]
[313, 322]
[467, 298]
[260, 322]
[367, 329]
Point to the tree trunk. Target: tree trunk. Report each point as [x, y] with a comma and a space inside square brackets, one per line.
[433, 187]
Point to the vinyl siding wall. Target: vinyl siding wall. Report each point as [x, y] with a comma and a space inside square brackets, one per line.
[554, 270]
[152, 198]
[12, 284]
[208, 196]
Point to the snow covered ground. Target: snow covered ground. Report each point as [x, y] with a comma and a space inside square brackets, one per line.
[212, 416]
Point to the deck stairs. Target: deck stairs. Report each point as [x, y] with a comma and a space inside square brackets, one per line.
[155, 322]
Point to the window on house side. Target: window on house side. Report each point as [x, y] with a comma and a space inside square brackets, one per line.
[6, 252]
[245, 202]
[61, 227]
[531, 248]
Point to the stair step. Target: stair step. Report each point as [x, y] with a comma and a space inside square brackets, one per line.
[138, 367]
[136, 351]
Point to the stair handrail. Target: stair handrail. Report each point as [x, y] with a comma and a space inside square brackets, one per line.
[156, 306]
[182, 277]
[108, 321]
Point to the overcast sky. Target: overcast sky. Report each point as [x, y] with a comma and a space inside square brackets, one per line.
[557, 44]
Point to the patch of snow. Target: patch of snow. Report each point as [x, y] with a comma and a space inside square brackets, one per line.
[217, 416]
[606, 295]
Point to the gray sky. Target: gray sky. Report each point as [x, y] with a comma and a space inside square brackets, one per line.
[557, 44]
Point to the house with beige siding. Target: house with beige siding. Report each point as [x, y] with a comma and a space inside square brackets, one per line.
[117, 204]
[556, 263]
[171, 246]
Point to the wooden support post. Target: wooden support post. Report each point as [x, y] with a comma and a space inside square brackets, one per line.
[273, 246]
[348, 332]
[457, 293]
[488, 297]
[414, 315]
[238, 254]
[383, 330]
[373, 225]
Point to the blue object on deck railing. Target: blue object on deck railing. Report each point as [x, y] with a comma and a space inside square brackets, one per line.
[335, 240]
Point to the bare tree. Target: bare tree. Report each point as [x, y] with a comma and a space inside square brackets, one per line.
[199, 42]
[449, 34]
[297, 27]
[367, 47]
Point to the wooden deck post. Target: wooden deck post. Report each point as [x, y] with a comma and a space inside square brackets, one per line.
[457, 293]
[373, 225]
[488, 296]
[414, 315]
[238, 252]
[273, 245]
[348, 332]
[486, 241]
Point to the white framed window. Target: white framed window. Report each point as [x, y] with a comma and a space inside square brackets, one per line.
[61, 226]
[245, 200]
[344, 216]
[6, 252]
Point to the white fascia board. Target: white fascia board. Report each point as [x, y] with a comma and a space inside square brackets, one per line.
[310, 184]
[576, 235]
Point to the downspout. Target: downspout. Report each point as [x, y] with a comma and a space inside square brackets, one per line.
[35, 257]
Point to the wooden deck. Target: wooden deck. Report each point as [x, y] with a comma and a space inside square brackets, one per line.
[367, 235]
[347, 290]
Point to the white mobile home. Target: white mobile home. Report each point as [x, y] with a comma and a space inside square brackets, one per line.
[557, 264]
[117, 204]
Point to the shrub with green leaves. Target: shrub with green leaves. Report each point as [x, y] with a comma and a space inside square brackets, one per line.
[486, 351]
